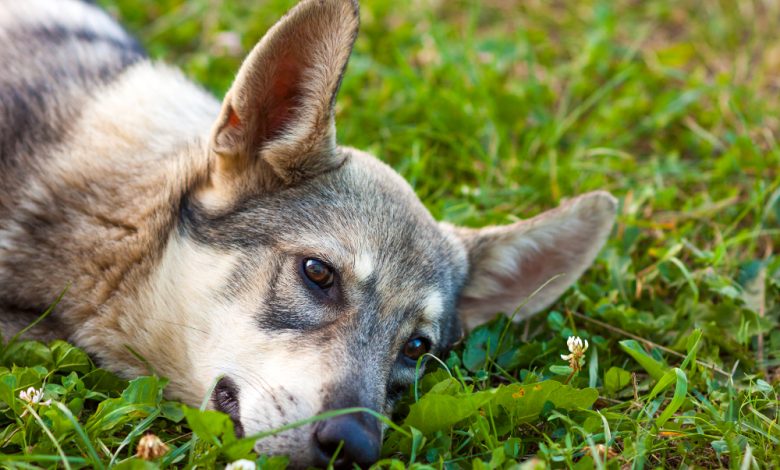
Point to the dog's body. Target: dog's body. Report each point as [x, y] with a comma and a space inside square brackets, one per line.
[236, 240]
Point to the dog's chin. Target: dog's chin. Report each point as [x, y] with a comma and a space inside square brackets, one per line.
[297, 446]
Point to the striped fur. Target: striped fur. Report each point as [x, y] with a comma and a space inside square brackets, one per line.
[182, 226]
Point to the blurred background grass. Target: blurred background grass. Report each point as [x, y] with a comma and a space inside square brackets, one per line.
[495, 109]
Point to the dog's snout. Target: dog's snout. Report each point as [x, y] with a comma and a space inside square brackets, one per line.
[361, 437]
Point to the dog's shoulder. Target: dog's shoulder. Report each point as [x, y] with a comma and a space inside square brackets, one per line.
[55, 54]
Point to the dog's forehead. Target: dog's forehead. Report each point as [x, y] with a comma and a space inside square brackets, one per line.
[362, 218]
[368, 222]
[367, 217]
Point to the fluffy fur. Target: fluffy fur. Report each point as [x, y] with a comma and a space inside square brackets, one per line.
[181, 225]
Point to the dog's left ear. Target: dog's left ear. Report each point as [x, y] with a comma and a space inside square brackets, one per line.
[547, 253]
[276, 122]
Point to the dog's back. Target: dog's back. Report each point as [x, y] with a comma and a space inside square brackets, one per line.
[54, 55]
[87, 128]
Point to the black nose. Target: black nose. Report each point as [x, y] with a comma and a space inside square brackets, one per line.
[360, 434]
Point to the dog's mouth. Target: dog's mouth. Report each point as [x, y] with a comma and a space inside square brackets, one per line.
[225, 398]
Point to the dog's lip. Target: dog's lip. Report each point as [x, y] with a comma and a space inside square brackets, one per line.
[225, 399]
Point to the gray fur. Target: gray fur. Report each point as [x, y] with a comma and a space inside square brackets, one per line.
[53, 69]
[181, 225]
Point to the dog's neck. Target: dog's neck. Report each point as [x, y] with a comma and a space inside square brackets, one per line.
[115, 183]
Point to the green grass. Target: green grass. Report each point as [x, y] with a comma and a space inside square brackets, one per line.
[495, 111]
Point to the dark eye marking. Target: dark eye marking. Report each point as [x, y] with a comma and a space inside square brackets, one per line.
[318, 272]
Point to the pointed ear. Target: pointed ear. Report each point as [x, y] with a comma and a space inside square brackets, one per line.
[508, 264]
[277, 118]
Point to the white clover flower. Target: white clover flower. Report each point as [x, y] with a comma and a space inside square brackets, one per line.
[242, 464]
[33, 397]
[577, 348]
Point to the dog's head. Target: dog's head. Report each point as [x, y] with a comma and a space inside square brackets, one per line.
[313, 275]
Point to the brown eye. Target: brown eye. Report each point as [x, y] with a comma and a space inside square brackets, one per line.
[318, 272]
[415, 348]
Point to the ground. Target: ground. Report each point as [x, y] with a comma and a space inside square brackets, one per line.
[494, 111]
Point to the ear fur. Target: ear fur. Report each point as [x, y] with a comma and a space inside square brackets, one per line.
[276, 125]
[507, 264]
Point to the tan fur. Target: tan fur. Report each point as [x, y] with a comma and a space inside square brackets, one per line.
[182, 228]
[118, 226]
[527, 265]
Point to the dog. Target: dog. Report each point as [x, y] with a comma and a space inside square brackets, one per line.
[236, 243]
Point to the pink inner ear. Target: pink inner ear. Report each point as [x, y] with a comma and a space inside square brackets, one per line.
[233, 119]
[282, 98]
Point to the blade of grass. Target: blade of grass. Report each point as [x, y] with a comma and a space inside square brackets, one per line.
[680, 393]
[49, 434]
[320, 417]
[202, 407]
[95, 459]
[40, 318]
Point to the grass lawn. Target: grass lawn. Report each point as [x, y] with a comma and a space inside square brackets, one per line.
[494, 111]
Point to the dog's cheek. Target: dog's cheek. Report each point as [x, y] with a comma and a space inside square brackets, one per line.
[282, 405]
[280, 383]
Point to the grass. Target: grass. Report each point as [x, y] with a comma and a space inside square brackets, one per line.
[494, 111]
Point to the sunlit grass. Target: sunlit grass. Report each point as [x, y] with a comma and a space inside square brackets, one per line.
[496, 111]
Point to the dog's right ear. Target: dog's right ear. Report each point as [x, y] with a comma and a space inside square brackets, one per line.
[529, 264]
[276, 125]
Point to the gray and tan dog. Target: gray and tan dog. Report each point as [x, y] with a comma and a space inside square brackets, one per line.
[238, 240]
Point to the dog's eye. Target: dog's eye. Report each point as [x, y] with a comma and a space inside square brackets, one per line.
[318, 272]
[416, 347]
